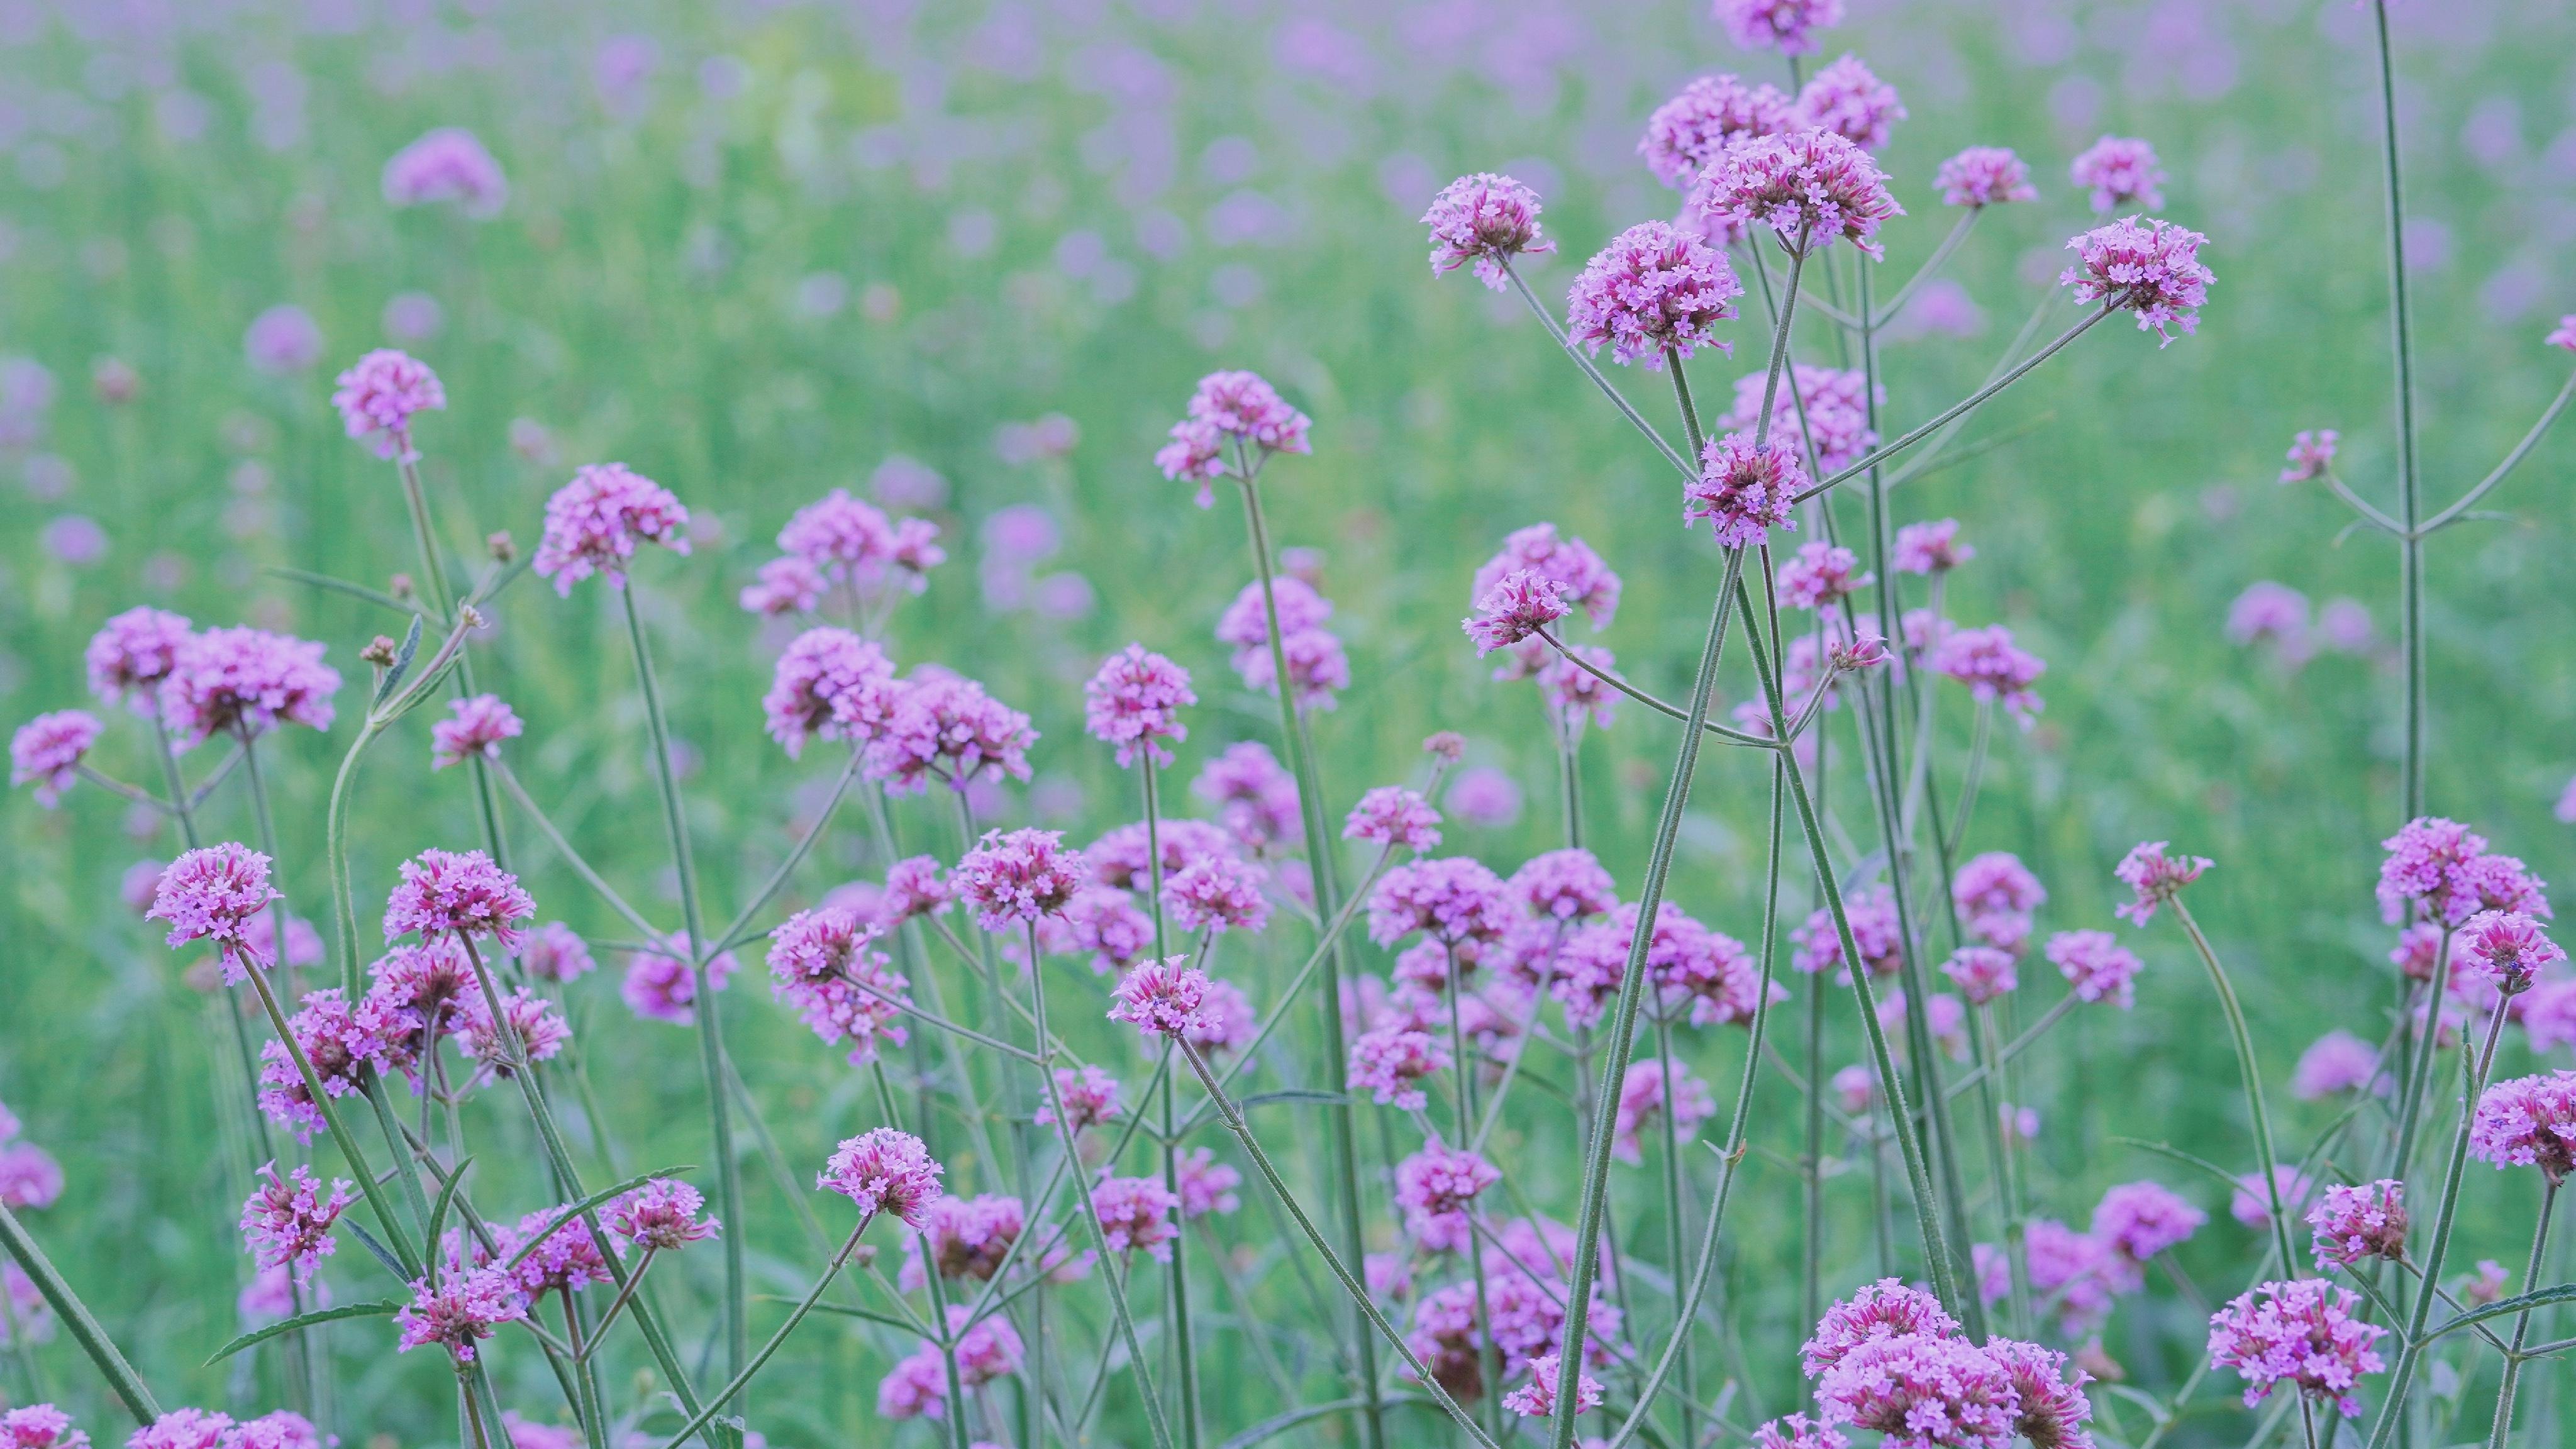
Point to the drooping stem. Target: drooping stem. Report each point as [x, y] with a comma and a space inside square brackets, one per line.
[702, 992]
[1344, 1145]
[2410, 580]
[2522, 1321]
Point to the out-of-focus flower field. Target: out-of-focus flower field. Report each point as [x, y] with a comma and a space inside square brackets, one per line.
[968, 258]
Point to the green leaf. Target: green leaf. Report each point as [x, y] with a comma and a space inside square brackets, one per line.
[401, 666]
[2539, 1298]
[2167, 1149]
[376, 1309]
[566, 1215]
[377, 597]
[446, 1199]
[381, 1254]
[1294, 1094]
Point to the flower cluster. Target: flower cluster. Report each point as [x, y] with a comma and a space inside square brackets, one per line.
[1238, 408]
[2357, 1223]
[2302, 1334]
[447, 164]
[1484, 219]
[595, 522]
[248, 682]
[2119, 171]
[481, 723]
[1689, 134]
[1810, 187]
[950, 728]
[1134, 702]
[1744, 489]
[2528, 1122]
[830, 684]
[2151, 268]
[884, 1171]
[378, 397]
[1985, 176]
[1653, 289]
[1846, 99]
[286, 1222]
[47, 751]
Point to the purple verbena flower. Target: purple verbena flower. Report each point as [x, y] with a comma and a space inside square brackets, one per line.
[1450, 899]
[2138, 1220]
[479, 726]
[1848, 100]
[1797, 1431]
[380, 394]
[2528, 1122]
[1653, 289]
[1515, 608]
[1390, 1062]
[185, 1429]
[660, 985]
[1811, 188]
[1744, 489]
[594, 523]
[1564, 885]
[1090, 1098]
[950, 728]
[2119, 171]
[338, 1041]
[246, 681]
[884, 1171]
[1882, 1310]
[1484, 219]
[2335, 1062]
[1982, 973]
[1985, 176]
[459, 1312]
[2302, 1334]
[2311, 456]
[1217, 893]
[2508, 947]
[447, 164]
[1014, 878]
[1537, 1398]
[130, 656]
[660, 1215]
[1687, 135]
[1648, 1091]
[212, 894]
[831, 684]
[1929, 548]
[1820, 573]
[286, 1222]
[281, 340]
[447, 893]
[46, 752]
[1134, 704]
[1136, 1213]
[1787, 26]
[1993, 667]
[2149, 267]
[1255, 796]
[1160, 998]
[1923, 1391]
[2354, 1223]
[1394, 815]
[1435, 1187]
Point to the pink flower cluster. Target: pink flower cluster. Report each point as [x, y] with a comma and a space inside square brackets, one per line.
[1827, 407]
[2119, 171]
[47, 751]
[1133, 703]
[245, 681]
[949, 728]
[1239, 408]
[2302, 1334]
[286, 1222]
[1450, 899]
[1787, 26]
[2528, 1122]
[1316, 664]
[825, 965]
[1484, 219]
[2151, 268]
[595, 522]
[1847, 99]
[462, 895]
[1744, 489]
[844, 541]
[1892, 1361]
[1985, 176]
[479, 726]
[829, 684]
[1688, 135]
[884, 1171]
[447, 164]
[1652, 290]
[1012, 879]
[2443, 871]
[1436, 1187]
[660, 1216]
[1394, 815]
[1811, 188]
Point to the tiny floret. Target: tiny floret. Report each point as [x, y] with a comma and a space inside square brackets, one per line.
[2311, 456]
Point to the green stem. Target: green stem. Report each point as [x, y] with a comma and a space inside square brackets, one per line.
[2522, 1321]
[1177, 1281]
[742, 1376]
[2411, 543]
[710, 1019]
[121, 1378]
[1343, 1144]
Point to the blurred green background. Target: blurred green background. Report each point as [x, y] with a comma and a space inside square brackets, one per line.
[756, 250]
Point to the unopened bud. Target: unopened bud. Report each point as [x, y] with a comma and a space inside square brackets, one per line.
[379, 652]
[866, 1256]
[400, 586]
[1867, 652]
[500, 547]
[469, 616]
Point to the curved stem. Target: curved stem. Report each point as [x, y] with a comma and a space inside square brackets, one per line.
[2266, 1161]
[1592, 370]
[2512, 460]
[2522, 1321]
[743, 1376]
[122, 1380]
[1881, 316]
[1659, 706]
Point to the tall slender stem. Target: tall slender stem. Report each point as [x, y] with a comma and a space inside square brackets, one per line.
[1344, 1145]
[1673, 1232]
[2251, 1076]
[703, 994]
[2410, 580]
[2473, 1072]
[122, 1380]
[2522, 1321]
[742, 1376]
[1177, 1283]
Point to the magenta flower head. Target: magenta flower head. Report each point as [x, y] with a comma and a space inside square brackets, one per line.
[1929, 548]
[1653, 289]
[1881, 1310]
[594, 522]
[1484, 219]
[1452, 899]
[447, 164]
[2138, 1220]
[1515, 608]
[2052, 1410]
[338, 1041]
[2335, 1062]
[1435, 1187]
[2251, 1203]
[2154, 878]
[1811, 188]
[2508, 947]
[284, 339]
[40, 1426]
[246, 681]
[212, 894]
[1922, 1390]
[186, 1429]
[1819, 574]
[1744, 489]
[1254, 795]
[1688, 134]
[1982, 973]
[885, 1171]
[458, 893]
[1090, 1098]
[1787, 26]
[46, 752]
[2302, 1335]
[832, 684]
[2565, 334]
[1985, 176]
[1160, 998]
[1579, 577]
[2311, 456]
[2528, 1122]
[1230, 406]
[662, 1214]
[1648, 1091]
[460, 1312]
[1537, 1398]
[378, 396]
[1217, 893]
[788, 585]
[286, 1223]
[1849, 100]
[1134, 703]
[1391, 1062]
[130, 656]
[1012, 879]
[950, 728]
[2354, 1224]
[913, 888]
[2148, 267]
[1564, 885]
[480, 725]
[2119, 171]
[1136, 1212]
[1394, 815]
[535, 1028]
